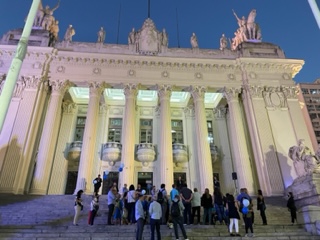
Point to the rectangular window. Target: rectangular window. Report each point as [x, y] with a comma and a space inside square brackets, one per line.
[81, 122]
[177, 131]
[305, 90]
[115, 130]
[210, 134]
[145, 130]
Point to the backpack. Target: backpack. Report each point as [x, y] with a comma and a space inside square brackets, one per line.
[175, 209]
[160, 198]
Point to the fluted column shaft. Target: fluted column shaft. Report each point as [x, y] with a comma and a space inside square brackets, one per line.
[165, 143]
[239, 144]
[128, 135]
[203, 153]
[48, 138]
[89, 138]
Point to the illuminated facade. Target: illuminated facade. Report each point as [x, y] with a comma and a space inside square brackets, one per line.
[80, 109]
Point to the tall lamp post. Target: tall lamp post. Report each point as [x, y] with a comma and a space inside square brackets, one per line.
[15, 67]
[315, 9]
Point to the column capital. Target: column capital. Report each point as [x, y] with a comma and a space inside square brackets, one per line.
[164, 91]
[60, 86]
[130, 90]
[197, 92]
[96, 88]
[69, 107]
[290, 92]
[220, 112]
[189, 111]
[231, 94]
[33, 82]
[254, 90]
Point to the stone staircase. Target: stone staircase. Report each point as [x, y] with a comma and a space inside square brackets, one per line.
[50, 217]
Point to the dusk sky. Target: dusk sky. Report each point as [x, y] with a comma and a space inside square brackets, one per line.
[287, 23]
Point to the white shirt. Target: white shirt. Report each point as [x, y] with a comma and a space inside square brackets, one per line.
[196, 200]
[131, 196]
[155, 210]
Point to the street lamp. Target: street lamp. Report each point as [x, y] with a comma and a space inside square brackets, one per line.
[15, 67]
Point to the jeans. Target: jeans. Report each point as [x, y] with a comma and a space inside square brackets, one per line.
[140, 226]
[187, 212]
[155, 224]
[179, 221]
[263, 216]
[207, 212]
[110, 213]
[194, 211]
[220, 212]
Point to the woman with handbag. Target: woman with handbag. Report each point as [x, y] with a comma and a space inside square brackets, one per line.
[262, 207]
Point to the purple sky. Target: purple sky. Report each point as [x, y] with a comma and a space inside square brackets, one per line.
[289, 24]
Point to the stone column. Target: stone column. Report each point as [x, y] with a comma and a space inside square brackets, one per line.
[128, 134]
[165, 144]
[66, 135]
[239, 142]
[203, 154]
[89, 138]
[222, 137]
[49, 138]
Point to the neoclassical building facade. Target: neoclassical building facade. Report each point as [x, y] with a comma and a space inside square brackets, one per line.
[83, 109]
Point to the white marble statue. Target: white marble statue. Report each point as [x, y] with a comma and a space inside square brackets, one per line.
[101, 35]
[303, 160]
[69, 34]
[194, 41]
[251, 25]
[48, 18]
[53, 33]
[223, 42]
[164, 38]
[132, 37]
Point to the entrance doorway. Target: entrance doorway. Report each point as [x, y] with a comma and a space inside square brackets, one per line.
[109, 180]
[176, 176]
[145, 179]
[71, 182]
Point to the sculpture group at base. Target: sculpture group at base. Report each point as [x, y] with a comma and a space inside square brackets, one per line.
[304, 161]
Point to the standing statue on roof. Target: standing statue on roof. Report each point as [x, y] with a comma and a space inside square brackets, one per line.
[194, 41]
[101, 35]
[48, 18]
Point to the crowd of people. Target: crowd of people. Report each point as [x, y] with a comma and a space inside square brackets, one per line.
[177, 208]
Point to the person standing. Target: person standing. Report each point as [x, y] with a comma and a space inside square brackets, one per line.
[78, 207]
[173, 192]
[155, 213]
[216, 182]
[179, 183]
[97, 183]
[177, 210]
[218, 204]
[186, 196]
[233, 215]
[196, 205]
[140, 216]
[94, 207]
[163, 200]
[247, 217]
[262, 207]
[131, 196]
[111, 202]
[292, 208]
[207, 204]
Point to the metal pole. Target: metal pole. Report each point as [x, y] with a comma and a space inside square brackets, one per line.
[315, 10]
[15, 67]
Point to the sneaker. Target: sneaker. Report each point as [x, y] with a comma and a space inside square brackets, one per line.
[238, 235]
[232, 235]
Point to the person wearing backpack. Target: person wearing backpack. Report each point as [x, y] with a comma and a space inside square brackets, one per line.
[176, 211]
[163, 200]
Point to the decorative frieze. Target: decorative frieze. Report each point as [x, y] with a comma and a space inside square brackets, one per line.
[290, 92]
[32, 81]
[274, 98]
[60, 86]
[255, 91]
[20, 86]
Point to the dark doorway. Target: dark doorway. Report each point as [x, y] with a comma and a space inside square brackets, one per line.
[109, 180]
[145, 179]
[71, 182]
[176, 176]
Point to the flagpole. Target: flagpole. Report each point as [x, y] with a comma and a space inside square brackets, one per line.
[15, 67]
[315, 10]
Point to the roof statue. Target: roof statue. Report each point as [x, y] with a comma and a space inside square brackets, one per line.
[248, 31]
[44, 16]
[148, 40]
[303, 160]
[194, 41]
[69, 33]
[53, 33]
[101, 35]
[223, 42]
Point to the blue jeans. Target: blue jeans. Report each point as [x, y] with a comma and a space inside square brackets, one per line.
[220, 212]
[207, 212]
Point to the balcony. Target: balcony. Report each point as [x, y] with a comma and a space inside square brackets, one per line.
[111, 152]
[145, 153]
[74, 151]
[215, 156]
[180, 153]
